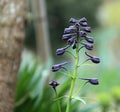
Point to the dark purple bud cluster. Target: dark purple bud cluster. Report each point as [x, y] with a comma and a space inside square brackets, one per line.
[77, 32]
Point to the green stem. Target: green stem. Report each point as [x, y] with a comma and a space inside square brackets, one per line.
[73, 80]
[58, 103]
[59, 98]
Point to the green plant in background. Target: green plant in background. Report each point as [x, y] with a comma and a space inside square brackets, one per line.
[109, 102]
[32, 91]
[115, 92]
[105, 101]
[77, 38]
[31, 85]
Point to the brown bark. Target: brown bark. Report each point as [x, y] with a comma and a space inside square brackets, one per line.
[12, 17]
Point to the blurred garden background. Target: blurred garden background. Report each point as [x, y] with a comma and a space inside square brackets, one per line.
[47, 20]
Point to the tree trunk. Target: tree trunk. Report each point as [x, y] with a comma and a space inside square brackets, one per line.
[12, 27]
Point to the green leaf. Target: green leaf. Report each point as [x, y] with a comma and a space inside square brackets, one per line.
[79, 99]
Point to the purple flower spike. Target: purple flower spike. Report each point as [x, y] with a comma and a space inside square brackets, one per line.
[93, 81]
[87, 29]
[72, 20]
[54, 84]
[61, 51]
[88, 46]
[94, 59]
[89, 39]
[58, 66]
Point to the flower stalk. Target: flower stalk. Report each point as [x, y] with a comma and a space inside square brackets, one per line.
[73, 78]
[54, 84]
[75, 35]
[58, 103]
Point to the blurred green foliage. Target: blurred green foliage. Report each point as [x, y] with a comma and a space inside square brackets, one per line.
[31, 85]
[110, 102]
[104, 100]
[33, 94]
[116, 93]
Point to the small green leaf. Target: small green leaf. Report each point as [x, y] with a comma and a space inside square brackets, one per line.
[80, 99]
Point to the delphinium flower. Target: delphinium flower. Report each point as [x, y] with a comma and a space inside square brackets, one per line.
[76, 37]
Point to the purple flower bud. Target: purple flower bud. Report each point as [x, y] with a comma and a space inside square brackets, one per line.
[82, 34]
[55, 68]
[54, 84]
[61, 51]
[72, 20]
[67, 30]
[77, 25]
[93, 81]
[71, 40]
[84, 24]
[94, 59]
[88, 46]
[58, 66]
[87, 29]
[83, 19]
[89, 39]
[70, 29]
[67, 36]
